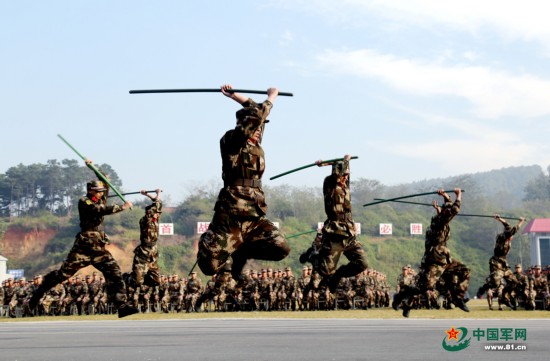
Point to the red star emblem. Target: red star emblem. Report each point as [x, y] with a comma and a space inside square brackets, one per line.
[452, 333]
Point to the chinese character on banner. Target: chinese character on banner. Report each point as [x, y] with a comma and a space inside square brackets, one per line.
[202, 227]
[416, 228]
[166, 229]
[358, 228]
[385, 229]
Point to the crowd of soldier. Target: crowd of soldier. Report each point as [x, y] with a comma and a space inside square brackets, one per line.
[528, 290]
[77, 295]
[264, 290]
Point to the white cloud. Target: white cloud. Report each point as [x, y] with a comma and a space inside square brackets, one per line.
[493, 94]
[526, 20]
[514, 20]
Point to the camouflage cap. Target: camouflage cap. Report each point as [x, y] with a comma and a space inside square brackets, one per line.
[153, 209]
[96, 185]
[537, 266]
[288, 269]
[252, 110]
[338, 169]
[518, 265]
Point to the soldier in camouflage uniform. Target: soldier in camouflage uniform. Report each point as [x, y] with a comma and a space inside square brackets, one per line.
[521, 289]
[249, 291]
[89, 296]
[208, 295]
[89, 247]
[538, 290]
[338, 231]
[265, 289]
[437, 263]
[95, 289]
[370, 288]
[343, 297]
[20, 298]
[164, 293]
[289, 290]
[225, 290]
[498, 265]
[9, 290]
[145, 296]
[53, 299]
[385, 288]
[193, 292]
[79, 292]
[132, 291]
[145, 267]
[240, 230]
[404, 282]
[275, 289]
[358, 288]
[66, 300]
[317, 292]
[176, 290]
[302, 289]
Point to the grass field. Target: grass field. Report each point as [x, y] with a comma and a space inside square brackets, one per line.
[478, 310]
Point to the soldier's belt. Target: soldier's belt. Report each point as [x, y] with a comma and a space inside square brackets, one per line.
[100, 235]
[90, 234]
[254, 183]
[342, 217]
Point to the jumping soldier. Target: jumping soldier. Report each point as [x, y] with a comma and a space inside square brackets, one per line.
[89, 247]
[240, 230]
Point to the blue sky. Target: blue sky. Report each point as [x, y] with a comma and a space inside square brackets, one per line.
[416, 89]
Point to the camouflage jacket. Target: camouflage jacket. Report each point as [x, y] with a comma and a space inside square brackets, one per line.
[92, 210]
[243, 159]
[149, 229]
[194, 286]
[438, 234]
[338, 206]
[504, 241]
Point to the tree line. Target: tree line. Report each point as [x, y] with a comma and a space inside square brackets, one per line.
[55, 187]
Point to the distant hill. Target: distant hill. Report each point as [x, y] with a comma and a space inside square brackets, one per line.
[503, 184]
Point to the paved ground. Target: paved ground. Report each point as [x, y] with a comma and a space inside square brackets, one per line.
[267, 339]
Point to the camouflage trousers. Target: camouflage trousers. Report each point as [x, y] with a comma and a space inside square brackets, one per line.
[499, 270]
[326, 262]
[145, 270]
[453, 277]
[85, 252]
[234, 240]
